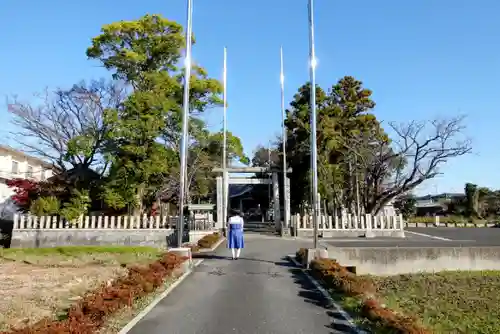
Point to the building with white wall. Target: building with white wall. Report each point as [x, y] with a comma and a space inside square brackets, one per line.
[16, 164]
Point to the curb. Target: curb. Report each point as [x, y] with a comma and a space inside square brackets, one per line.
[214, 247]
[321, 243]
[348, 321]
[131, 324]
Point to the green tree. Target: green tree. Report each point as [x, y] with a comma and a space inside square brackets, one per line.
[45, 206]
[343, 113]
[406, 205]
[132, 49]
[266, 157]
[78, 205]
[357, 161]
[205, 153]
[146, 130]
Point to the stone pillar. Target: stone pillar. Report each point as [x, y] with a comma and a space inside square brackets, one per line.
[276, 199]
[227, 204]
[287, 202]
[220, 215]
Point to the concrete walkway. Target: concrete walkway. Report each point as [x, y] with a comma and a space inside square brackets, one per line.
[258, 294]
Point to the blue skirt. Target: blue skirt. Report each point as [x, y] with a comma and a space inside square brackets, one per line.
[235, 236]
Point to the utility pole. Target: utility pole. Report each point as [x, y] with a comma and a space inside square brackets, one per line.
[358, 209]
[225, 187]
[314, 149]
[283, 140]
[185, 121]
[269, 175]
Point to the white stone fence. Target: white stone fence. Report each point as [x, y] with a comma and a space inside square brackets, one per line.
[367, 225]
[22, 221]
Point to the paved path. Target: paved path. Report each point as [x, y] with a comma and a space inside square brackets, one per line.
[427, 237]
[258, 294]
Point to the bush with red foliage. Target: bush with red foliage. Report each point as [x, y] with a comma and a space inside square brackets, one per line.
[90, 313]
[26, 191]
[337, 277]
[23, 191]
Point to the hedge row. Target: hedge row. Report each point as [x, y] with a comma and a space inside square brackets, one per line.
[209, 240]
[338, 278]
[450, 220]
[89, 314]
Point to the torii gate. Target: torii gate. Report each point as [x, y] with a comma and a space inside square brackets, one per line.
[283, 227]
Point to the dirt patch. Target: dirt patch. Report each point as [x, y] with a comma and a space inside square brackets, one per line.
[35, 286]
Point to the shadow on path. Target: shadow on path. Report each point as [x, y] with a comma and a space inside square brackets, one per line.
[307, 290]
[312, 295]
[283, 263]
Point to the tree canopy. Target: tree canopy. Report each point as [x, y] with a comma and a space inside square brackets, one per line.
[358, 161]
[116, 142]
[129, 128]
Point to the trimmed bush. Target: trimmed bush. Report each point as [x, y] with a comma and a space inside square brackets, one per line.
[301, 254]
[194, 248]
[89, 314]
[450, 221]
[442, 220]
[336, 277]
[209, 240]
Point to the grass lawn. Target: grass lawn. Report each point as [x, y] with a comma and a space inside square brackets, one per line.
[38, 283]
[447, 302]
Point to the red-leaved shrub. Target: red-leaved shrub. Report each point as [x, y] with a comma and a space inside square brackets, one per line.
[23, 189]
[337, 277]
[89, 314]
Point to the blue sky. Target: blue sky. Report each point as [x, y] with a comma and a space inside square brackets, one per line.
[422, 59]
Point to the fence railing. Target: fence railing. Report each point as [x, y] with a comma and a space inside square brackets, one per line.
[109, 222]
[349, 222]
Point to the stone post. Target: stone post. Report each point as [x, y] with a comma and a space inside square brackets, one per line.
[436, 222]
[401, 230]
[276, 199]
[287, 203]
[220, 215]
[369, 231]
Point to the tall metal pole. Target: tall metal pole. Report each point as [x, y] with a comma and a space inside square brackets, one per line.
[283, 140]
[224, 143]
[269, 174]
[185, 121]
[314, 149]
[356, 175]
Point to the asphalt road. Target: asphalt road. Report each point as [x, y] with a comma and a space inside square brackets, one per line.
[427, 237]
[258, 294]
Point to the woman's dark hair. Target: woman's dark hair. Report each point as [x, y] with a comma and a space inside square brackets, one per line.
[234, 212]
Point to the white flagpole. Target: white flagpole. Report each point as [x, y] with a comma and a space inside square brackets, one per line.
[283, 117]
[185, 121]
[224, 144]
[314, 149]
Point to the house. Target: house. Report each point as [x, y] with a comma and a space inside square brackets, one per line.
[16, 164]
[431, 205]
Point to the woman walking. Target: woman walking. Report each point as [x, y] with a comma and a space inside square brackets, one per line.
[235, 236]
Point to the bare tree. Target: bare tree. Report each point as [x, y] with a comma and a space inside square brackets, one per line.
[67, 128]
[419, 149]
[199, 165]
